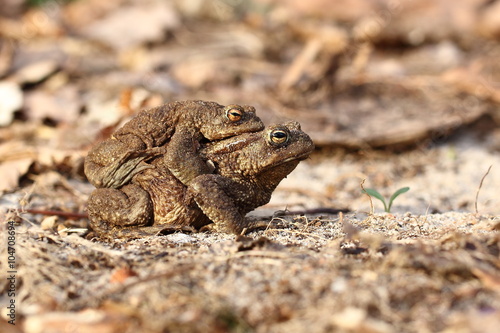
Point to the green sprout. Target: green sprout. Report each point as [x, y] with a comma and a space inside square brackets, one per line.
[39, 3]
[374, 193]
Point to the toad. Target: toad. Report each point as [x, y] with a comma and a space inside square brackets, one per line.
[115, 161]
[247, 169]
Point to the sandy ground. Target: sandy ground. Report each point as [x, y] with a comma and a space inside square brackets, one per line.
[430, 266]
[443, 177]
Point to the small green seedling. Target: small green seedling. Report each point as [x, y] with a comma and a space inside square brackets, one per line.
[374, 193]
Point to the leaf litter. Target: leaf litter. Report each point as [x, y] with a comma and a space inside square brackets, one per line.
[385, 97]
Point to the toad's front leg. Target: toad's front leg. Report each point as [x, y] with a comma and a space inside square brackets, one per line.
[222, 200]
[110, 209]
[182, 158]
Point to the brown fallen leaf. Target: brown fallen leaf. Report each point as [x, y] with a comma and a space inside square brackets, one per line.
[339, 10]
[15, 160]
[132, 26]
[326, 41]
[474, 321]
[489, 23]
[403, 20]
[35, 72]
[11, 100]
[49, 222]
[195, 72]
[62, 105]
[11, 171]
[6, 56]
[87, 321]
[489, 280]
[77, 14]
[122, 274]
[8, 328]
[393, 112]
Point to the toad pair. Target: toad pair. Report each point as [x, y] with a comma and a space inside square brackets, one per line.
[190, 163]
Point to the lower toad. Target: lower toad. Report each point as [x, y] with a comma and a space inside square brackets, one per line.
[247, 169]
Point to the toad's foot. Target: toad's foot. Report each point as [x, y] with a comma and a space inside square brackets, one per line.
[123, 169]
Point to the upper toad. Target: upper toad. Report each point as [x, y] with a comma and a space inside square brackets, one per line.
[172, 130]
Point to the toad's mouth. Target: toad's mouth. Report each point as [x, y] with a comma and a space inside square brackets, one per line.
[298, 157]
[205, 141]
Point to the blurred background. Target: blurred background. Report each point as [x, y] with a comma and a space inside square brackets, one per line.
[397, 92]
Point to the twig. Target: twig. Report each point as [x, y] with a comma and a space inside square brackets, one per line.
[372, 210]
[68, 215]
[313, 211]
[479, 188]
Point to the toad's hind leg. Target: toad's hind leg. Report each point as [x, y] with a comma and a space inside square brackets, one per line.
[129, 206]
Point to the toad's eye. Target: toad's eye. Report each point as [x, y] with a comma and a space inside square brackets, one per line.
[278, 136]
[234, 114]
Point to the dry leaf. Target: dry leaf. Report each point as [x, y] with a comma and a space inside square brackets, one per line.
[341, 10]
[35, 72]
[489, 279]
[5, 327]
[122, 274]
[350, 318]
[195, 72]
[62, 105]
[489, 24]
[11, 100]
[87, 321]
[11, 171]
[49, 222]
[103, 113]
[6, 56]
[475, 321]
[77, 14]
[131, 26]
[15, 160]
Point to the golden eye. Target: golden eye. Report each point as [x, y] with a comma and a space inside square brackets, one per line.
[278, 136]
[234, 114]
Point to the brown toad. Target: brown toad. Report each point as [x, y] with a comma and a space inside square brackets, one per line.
[114, 162]
[247, 169]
